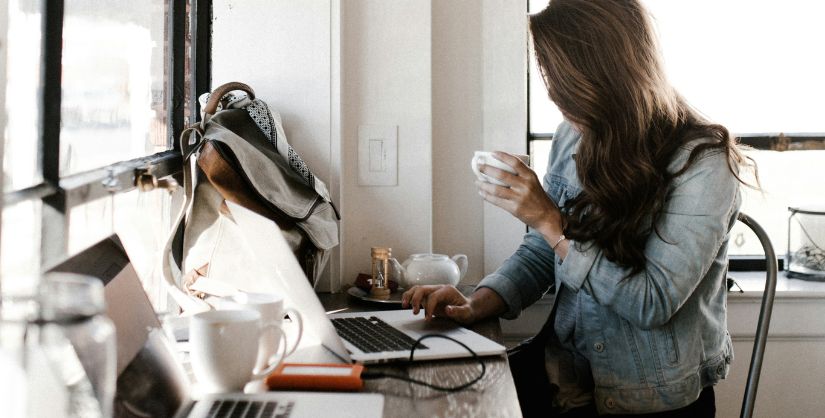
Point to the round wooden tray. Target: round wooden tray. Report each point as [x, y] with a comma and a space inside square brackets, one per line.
[394, 300]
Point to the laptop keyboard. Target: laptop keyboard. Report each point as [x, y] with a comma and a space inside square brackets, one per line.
[249, 409]
[372, 335]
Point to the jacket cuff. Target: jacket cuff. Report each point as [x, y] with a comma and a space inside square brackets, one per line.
[576, 266]
[508, 291]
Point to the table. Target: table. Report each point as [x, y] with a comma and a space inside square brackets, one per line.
[493, 396]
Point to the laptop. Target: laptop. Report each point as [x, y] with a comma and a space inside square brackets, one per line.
[152, 381]
[348, 335]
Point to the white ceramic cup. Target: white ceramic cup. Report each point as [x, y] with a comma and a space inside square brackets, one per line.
[224, 347]
[487, 157]
[271, 308]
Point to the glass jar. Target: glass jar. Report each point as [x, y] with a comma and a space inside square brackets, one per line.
[15, 384]
[77, 340]
[380, 266]
[806, 243]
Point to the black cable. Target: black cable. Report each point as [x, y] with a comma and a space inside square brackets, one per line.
[367, 374]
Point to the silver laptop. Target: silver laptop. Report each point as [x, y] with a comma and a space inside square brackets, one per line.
[152, 382]
[397, 329]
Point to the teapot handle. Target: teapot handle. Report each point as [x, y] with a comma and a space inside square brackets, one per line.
[463, 264]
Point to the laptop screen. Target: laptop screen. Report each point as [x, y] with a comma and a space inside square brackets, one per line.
[277, 271]
[150, 380]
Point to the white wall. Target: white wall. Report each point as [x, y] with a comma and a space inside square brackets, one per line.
[479, 102]
[505, 111]
[449, 74]
[3, 48]
[793, 370]
[283, 50]
[386, 79]
[457, 131]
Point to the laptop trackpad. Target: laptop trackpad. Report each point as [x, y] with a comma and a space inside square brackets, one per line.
[434, 326]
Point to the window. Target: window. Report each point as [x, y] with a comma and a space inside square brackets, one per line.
[753, 66]
[112, 106]
[23, 42]
[97, 96]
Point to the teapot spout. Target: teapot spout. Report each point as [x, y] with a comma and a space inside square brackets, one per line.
[463, 264]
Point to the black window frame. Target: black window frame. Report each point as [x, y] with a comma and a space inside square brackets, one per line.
[60, 194]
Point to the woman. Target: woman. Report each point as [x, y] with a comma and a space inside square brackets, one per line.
[630, 228]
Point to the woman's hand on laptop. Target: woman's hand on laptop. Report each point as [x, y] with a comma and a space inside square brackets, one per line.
[448, 302]
[438, 300]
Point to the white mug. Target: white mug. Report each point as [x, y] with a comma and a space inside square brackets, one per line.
[224, 348]
[487, 157]
[271, 308]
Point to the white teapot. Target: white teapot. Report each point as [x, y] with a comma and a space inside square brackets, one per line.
[422, 269]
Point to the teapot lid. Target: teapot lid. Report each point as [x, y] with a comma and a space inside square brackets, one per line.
[430, 256]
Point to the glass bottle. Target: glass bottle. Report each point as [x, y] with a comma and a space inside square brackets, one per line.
[77, 340]
[14, 381]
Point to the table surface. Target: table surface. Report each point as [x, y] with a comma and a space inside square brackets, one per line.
[493, 396]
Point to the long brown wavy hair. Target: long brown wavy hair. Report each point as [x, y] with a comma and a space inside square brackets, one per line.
[601, 66]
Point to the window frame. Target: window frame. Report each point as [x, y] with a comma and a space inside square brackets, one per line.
[59, 195]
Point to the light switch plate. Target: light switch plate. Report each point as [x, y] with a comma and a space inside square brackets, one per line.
[377, 155]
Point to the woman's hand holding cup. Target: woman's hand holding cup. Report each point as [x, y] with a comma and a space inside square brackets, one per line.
[521, 193]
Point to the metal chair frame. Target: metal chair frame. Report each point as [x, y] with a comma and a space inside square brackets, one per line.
[761, 337]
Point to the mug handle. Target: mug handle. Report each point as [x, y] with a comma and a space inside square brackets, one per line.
[294, 315]
[272, 365]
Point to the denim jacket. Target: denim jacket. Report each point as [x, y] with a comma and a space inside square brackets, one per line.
[656, 338]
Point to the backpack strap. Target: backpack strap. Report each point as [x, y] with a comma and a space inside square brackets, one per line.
[191, 140]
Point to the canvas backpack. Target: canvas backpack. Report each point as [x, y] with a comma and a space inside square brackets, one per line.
[239, 153]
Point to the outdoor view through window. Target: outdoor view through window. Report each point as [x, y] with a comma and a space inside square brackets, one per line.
[113, 109]
[751, 66]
